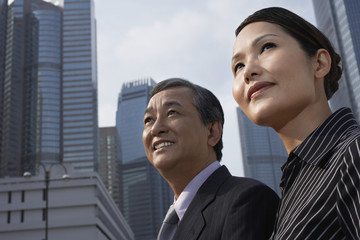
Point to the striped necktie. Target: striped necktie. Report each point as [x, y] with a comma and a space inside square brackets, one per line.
[169, 225]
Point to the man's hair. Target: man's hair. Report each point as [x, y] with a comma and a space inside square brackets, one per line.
[205, 102]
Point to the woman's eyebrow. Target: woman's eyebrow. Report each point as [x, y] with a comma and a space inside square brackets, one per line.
[257, 40]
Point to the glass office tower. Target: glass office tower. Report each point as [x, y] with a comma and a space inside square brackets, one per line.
[132, 102]
[5, 165]
[80, 115]
[339, 20]
[30, 82]
[146, 196]
[263, 152]
[48, 85]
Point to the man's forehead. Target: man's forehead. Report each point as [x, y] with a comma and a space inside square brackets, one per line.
[174, 89]
[175, 96]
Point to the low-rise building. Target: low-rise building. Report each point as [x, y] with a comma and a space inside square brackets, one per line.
[79, 208]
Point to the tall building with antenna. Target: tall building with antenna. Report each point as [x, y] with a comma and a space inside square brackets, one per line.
[146, 196]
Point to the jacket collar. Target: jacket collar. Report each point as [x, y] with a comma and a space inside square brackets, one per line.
[203, 198]
[320, 143]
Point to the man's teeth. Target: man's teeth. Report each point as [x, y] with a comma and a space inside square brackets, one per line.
[163, 144]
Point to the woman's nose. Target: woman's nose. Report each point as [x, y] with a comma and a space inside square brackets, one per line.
[252, 69]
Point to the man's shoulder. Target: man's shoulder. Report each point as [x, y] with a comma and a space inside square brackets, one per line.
[233, 185]
[245, 183]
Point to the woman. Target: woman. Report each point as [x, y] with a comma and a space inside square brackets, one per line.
[285, 70]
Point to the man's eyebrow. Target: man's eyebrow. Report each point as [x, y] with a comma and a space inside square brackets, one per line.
[147, 110]
[256, 41]
[172, 103]
[167, 104]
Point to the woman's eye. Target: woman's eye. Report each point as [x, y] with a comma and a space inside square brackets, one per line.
[238, 67]
[147, 120]
[267, 46]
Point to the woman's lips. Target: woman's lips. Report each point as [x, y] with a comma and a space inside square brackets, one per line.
[258, 88]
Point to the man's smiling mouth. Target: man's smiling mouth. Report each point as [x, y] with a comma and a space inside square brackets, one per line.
[162, 145]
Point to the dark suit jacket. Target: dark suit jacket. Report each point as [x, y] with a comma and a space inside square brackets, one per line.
[227, 207]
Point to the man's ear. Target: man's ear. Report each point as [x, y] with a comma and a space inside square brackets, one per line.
[215, 132]
[322, 63]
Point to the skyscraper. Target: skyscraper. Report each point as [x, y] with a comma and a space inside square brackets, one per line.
[339, 20]
[109, 165]
[146, 196]
[80, 115]
[30, 79]
[263, 152]
[48, 86]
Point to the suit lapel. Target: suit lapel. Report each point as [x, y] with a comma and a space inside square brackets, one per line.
[193, 222]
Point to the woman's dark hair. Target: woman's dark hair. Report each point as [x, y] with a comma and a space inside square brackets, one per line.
[205, 102]
[308, 36]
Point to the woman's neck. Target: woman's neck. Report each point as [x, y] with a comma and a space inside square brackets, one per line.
[295, 131]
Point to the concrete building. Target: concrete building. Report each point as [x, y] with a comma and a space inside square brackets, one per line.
[79, 208]
[263, 152]
[145, 195]
[339, 20]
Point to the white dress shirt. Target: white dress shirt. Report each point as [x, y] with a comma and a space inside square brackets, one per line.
[188, 194]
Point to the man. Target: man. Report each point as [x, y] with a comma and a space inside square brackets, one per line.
[183, 139]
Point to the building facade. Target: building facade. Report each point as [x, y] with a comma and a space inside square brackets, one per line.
[48, 86]
[79, 208]
[109, 165]
[339, 20]
[146, 196]
[31, 85]
[263, 152]
[80, 115]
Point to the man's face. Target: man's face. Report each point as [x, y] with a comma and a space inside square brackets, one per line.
[174, 136]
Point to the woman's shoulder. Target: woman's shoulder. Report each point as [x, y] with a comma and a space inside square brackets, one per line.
[351, 146]
[352, 136]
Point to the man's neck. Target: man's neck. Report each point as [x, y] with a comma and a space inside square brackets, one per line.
[180, 178]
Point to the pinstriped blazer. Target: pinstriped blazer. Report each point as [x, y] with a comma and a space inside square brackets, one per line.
[228, 207]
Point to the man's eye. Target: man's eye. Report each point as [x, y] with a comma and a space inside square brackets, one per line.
[171, 112]
[267, 46]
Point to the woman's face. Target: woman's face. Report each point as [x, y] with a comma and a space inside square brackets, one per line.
[274, 78]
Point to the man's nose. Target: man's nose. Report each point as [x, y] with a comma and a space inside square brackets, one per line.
[159, 127]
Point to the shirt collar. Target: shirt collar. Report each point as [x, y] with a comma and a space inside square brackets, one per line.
[187, 195]
[324, 138]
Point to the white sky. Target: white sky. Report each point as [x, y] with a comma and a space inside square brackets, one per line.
[190, 39]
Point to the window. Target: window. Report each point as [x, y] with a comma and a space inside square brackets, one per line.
[9, 197]
[44, 214]
[22, 196]
[22, 216]
[8, 217]
[44, 194]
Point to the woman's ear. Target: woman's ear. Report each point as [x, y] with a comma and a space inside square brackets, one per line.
[322, 62]
[215, 132]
